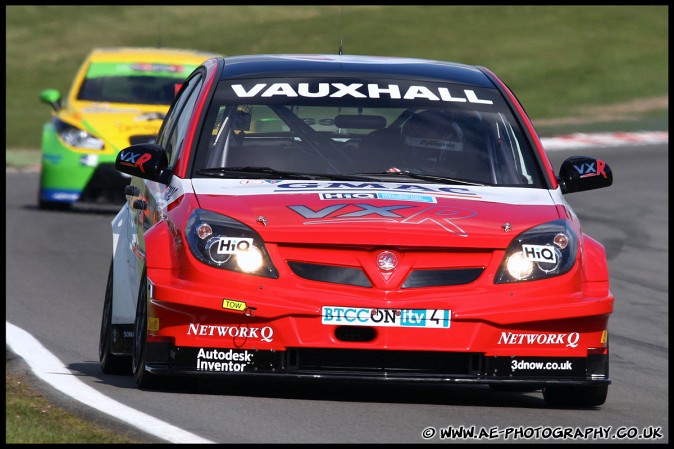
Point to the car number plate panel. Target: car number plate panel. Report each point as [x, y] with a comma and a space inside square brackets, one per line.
[375, 317]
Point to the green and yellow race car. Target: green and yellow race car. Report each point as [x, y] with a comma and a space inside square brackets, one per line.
[118, 98]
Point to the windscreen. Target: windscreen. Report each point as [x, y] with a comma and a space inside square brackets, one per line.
[133, 83]
[364, 127]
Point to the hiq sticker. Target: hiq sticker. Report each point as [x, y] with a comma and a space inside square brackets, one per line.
[232, 245]
[540, 253]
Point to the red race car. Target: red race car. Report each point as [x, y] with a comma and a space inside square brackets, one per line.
[357, 218]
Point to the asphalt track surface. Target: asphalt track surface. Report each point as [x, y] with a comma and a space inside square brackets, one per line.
[56, 273]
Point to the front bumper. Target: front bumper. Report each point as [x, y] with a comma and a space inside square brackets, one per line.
[378, 365]
[69, 176]
[62, 183]
[539, 333]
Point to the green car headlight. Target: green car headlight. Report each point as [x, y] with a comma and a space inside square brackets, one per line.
[76, 137]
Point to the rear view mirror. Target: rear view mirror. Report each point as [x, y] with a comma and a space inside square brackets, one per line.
[360, 121]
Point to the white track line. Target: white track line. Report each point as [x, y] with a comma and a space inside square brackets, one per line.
[50, 369]
[593, 140]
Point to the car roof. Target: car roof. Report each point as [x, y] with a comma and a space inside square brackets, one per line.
[324, 65]
[150, 54]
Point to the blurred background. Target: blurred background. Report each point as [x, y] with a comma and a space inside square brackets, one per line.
[575, 68]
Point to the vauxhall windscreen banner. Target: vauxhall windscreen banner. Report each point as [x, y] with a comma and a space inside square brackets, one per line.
[359, 92]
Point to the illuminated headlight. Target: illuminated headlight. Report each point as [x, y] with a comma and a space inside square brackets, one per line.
[250, 261]
[544, 251]
[222, 242]
[78, 138]
[518, 266]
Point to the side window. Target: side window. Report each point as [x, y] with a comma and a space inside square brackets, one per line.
[175, 124]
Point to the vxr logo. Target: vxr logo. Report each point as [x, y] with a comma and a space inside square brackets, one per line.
[134, 159]
[410, 215]
[587, 169]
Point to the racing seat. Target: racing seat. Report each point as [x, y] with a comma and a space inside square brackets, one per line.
[445, 143]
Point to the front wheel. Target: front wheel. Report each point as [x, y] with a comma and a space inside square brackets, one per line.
[566, 396]
[143, 378]
[110, 363]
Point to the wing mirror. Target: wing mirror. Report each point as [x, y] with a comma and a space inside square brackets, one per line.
[52, 97]
[144, 160]
[579, 173]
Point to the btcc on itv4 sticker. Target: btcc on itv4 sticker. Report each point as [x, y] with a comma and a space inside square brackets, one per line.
[353, 316]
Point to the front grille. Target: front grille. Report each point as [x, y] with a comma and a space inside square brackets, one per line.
[106, 185]
[380, 361]
[441, 278]
[355, 333]
[355, 276]
[332, 274]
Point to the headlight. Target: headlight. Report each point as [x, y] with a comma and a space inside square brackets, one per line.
[544, 251]
[77, 138]
[222, 242]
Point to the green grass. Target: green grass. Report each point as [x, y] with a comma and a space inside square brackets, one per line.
[31, 419]
[557, 59]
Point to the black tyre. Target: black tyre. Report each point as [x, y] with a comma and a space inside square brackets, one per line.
[110, 363]
[566, 396]
[143, 378]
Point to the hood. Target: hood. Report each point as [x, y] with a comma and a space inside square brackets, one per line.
[119, 125]
[376, 214]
